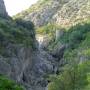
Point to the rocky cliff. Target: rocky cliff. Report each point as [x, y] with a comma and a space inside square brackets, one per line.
[62, 12]
[3, 12]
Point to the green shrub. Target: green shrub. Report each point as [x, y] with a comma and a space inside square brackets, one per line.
[74, 77]
[6, 84]
[75, 35]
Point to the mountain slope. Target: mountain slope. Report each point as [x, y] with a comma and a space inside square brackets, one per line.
[62, 12]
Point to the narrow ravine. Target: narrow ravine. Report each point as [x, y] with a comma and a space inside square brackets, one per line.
[49, 63]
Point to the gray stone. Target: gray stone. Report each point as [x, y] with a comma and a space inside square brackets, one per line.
[3, 12]
[5, 68]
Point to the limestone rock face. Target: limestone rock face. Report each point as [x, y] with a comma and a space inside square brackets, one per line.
[3, 12]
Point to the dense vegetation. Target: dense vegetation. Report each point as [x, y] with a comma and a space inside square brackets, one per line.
[74, 77]
[7, 84]
[16, 32]
[75, 74]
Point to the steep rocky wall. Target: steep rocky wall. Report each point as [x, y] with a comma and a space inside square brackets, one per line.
[3, 12]
[27, 67]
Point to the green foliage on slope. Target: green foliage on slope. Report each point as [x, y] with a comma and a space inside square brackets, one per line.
[48, 29]
[75, 77]
[17, 32]
[76, 73]
[7, 84]
[75, 35]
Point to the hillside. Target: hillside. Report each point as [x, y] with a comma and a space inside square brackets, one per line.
[61, 12]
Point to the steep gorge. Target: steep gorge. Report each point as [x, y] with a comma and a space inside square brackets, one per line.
[23, 61]
[66, 24]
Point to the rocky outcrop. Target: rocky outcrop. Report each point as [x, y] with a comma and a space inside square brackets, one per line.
[27, 67]
[42, 65]
[16, 61]
[3, 12]
[59, 51]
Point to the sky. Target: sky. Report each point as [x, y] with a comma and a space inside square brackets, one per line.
[15, 6]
